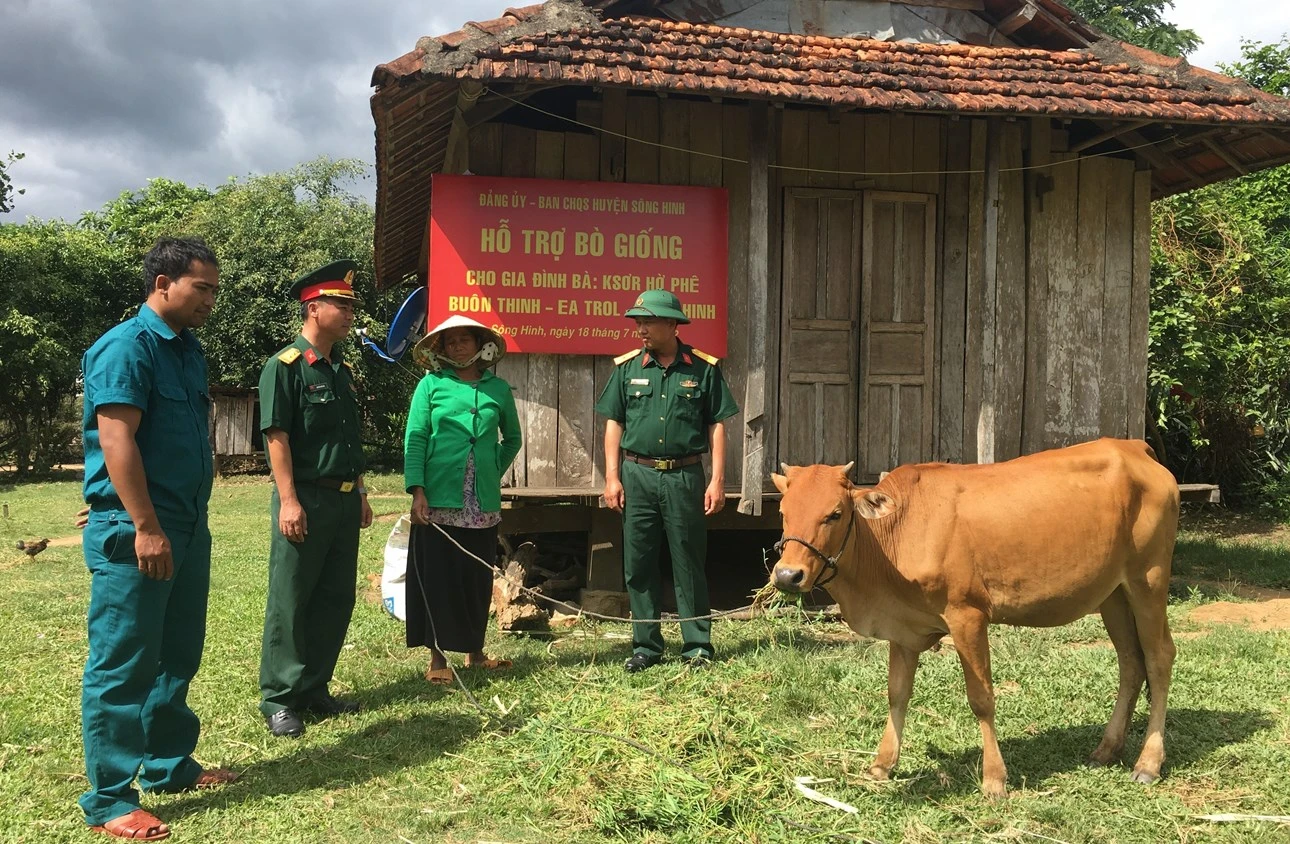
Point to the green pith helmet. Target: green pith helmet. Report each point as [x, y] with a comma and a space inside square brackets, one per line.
[658, 303]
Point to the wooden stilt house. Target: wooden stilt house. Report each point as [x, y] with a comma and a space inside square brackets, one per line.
[939, 227]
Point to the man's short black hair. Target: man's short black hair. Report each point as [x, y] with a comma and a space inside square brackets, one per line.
[172, 257]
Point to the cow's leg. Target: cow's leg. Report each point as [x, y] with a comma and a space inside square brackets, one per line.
[901, 665]
[1148, 600]
[972, 641]
[1118, 618]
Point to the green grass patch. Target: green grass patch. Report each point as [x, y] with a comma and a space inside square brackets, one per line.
[572, 749]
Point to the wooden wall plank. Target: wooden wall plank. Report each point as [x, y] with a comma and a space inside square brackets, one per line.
[612, 169]
[973, 350]
[1063, 270]
[1140, 305]
[1039, 185]
[1010, 297]
[952, 298]
[706, 130]
[486, 149]
[576, 441]
[642, 125]
[734, 129]
[674, 132]
[1094, 183]
[519, 159]
[773, 224]
[1117, 297]
[901, 152]
[793, 133]
[927, 153]
[544, 388]
[851, 150]
[877, 151]
[821, 150]
[613, 148]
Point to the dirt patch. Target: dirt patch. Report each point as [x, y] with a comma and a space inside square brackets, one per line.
[1240, 590]
[65, 541]
[1262, 616]
[1238, 526]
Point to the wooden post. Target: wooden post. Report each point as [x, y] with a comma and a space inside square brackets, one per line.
[1140, 305]
[754, 409]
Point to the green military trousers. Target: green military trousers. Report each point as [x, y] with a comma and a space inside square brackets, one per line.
[145, 644]
[666, 505]
[311, 597]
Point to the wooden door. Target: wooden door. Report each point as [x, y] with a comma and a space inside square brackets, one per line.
[896, 319]
[819, 341]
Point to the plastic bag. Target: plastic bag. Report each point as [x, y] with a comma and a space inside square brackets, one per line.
[396, 568]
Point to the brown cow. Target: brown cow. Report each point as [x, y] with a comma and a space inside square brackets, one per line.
[1038, 541]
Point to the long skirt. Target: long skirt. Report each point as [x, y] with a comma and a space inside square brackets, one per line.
[448, 593]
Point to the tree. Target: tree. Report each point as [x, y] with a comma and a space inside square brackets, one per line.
[68, 283]
[269, 230]
[1220, 355]
[63, 287]
[7, 191]
[1140, 22]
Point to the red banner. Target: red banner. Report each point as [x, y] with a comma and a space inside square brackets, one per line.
[554, 265]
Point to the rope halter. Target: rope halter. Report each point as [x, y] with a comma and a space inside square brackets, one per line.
[830, 563]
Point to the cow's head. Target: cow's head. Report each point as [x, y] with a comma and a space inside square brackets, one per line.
[820, 508]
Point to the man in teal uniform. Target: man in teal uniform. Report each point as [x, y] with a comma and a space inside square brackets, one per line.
[665, 403]
[309, 416]
[148, 475]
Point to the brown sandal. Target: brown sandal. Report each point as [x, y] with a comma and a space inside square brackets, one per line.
[491, 664]
[136, 826]
[440, 676]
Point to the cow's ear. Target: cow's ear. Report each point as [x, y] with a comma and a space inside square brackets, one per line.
[780, 482]
[872, 504]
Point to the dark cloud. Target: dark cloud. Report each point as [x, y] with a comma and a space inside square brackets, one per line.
[103, 96]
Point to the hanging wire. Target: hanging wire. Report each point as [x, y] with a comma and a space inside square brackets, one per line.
[873, 173]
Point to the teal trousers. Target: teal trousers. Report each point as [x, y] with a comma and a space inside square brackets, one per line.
[145, 644]
[659, 507]
[311, 598]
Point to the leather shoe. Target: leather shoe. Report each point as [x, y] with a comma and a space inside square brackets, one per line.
[285, 722]
[325, 704]
[639, 662]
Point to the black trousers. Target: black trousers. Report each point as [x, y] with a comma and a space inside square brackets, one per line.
[448, 593]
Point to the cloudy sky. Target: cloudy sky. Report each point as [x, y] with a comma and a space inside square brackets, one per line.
[102, 96]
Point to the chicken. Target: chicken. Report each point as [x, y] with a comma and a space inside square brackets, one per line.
[31, 549]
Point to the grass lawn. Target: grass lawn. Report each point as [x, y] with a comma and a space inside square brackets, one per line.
[572, 749]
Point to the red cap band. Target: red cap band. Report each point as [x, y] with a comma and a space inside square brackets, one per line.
[327, 288]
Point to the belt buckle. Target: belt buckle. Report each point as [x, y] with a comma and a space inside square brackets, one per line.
[662, 465]
[346, 486]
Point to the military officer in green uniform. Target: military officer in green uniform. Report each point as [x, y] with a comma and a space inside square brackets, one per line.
[309, 416]
[665, 404]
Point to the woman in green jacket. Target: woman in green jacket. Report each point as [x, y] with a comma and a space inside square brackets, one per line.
[453, 462]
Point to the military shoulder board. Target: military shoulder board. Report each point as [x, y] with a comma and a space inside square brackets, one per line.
[622, 359]
[290, 355]
[705, 356]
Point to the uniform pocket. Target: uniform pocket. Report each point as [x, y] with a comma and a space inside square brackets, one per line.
[118, 542]
[689, 403]
[321, 409]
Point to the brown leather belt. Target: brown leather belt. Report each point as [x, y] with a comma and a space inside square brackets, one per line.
[334, 483]
[663, 464]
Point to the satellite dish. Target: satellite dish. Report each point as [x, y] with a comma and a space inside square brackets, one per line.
[405, 329]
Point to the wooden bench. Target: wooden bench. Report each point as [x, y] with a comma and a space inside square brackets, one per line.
[1200, 493]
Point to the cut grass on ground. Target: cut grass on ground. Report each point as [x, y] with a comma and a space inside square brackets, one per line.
[572, 749]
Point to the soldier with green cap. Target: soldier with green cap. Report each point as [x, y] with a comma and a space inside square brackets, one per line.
[309, 416]
[665, 404]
